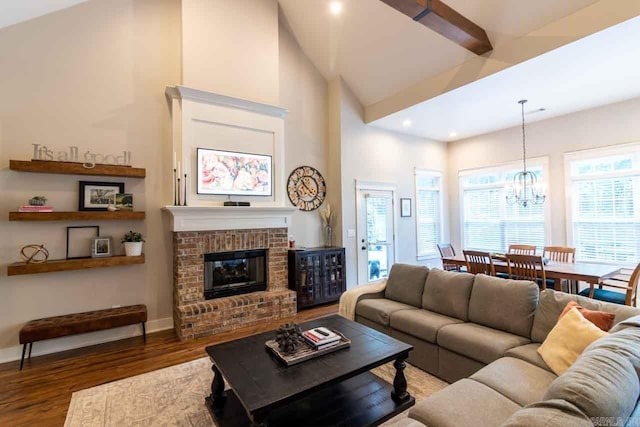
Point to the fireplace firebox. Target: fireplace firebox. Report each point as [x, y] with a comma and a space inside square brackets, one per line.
[234, 273]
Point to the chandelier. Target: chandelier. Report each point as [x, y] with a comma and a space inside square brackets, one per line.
[525, 189]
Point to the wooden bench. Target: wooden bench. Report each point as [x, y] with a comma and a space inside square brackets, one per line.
[79, 323]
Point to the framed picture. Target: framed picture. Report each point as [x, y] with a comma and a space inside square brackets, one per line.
[405, 208]
[97, 196]
[79, 241]
[237, 174]
[124, 201]
[101, 247]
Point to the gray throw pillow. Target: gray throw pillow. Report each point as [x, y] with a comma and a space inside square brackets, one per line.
[448, 292]
[406, 283]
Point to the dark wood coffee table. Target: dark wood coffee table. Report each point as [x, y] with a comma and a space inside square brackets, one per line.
[336, 389]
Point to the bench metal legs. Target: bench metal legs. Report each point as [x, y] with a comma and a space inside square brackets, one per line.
[24, 350]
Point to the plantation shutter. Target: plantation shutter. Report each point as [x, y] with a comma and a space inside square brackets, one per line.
[604, 213]
[428, 212]
[489, 223]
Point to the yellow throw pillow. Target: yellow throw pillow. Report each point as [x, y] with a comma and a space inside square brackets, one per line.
[567, 340]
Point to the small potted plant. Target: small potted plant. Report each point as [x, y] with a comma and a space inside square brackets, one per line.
[38, 201]
[132, 243]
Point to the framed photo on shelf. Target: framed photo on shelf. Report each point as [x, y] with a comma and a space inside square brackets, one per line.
[79, 241]
[124, 201]
[101, 247]
[405, 208]
[97, 196]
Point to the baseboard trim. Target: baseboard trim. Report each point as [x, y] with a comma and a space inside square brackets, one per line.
[56, 345]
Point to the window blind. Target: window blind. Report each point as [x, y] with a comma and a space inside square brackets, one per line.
[605, 190]
[489, 223]
[428, 212]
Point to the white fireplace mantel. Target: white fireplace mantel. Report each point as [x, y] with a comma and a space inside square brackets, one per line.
[210, 218]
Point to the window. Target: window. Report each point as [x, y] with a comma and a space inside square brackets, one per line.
[603, 189]
[488, 222]
[428, 212]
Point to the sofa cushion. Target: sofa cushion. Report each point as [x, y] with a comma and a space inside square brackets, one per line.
[379, 310]
[552, 303]
[448, 292]
[528, 353]
[632, 322]
[549, 413]
[464, 403]
[478, 342]
[601, 319]
[406, 283]
[507, 305]
[421, 324]
[603, 382]
[518, 380]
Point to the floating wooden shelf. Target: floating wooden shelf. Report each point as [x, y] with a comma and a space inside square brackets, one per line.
[70, 168]
[72, 264]
[76, 216]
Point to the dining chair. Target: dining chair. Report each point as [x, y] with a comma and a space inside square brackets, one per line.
[624, 279]
[479, 262]
[447, 251]
[527, 267]
[522, 249]
[561, 254]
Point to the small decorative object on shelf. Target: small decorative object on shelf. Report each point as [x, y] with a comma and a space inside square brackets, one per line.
[34, 254]
[112, 208]
[101, 247]
[124, 201]
[89, 159]
[328, 217]
[132, 243]
[289, 338]
[79, 239]
[38, 201]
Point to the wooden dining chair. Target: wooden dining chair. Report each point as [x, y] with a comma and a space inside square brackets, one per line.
[527, 267]
[522, 249]
[447, 251]
[559, 254]
[624, 279]
[479, 263]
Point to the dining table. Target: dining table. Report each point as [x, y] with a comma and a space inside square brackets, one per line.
[574, 272]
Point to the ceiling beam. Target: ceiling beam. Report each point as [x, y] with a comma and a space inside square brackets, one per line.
[442, 19]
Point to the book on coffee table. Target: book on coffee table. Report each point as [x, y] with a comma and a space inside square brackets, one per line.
[321, 337]
[307, 350]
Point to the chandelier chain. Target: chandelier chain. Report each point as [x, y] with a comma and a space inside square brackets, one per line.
[524, 145]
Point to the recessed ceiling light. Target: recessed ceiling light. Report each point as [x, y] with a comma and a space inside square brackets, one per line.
[452, 134]
[335, 7]
[407, 123]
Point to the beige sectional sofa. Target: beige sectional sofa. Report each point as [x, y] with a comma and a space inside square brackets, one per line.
[482, 333]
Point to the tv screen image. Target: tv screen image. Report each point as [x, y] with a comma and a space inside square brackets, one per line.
[229, 173]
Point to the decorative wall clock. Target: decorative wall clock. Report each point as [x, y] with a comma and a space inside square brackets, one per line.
[306, 188]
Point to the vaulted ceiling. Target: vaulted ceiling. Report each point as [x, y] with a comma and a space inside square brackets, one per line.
[379, 51]
[13, 12]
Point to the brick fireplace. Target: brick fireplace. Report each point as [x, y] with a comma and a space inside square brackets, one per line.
[194, 316]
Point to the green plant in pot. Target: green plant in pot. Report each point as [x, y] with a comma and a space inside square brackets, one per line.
[132, 243]
[38, 201]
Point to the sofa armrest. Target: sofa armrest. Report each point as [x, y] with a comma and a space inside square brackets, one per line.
[349, 300]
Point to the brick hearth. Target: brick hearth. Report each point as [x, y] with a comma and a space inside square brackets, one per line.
[195, 317]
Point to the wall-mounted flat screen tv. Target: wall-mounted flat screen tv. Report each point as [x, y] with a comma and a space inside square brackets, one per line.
[238, 174]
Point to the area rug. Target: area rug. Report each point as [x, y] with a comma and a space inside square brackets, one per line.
[174, 396]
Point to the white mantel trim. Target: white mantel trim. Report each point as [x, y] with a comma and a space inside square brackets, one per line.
[211, 218]
[183, 92]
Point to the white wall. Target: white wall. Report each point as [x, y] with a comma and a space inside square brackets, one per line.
[303, 91]
[92, 76]
[231, 47]
[608, 125]
[373, 154]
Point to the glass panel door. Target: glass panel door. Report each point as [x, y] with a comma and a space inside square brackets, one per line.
[376, 235]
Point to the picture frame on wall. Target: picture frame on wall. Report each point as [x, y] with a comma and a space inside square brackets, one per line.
[405, 208]
[79, 241]
[98, 196]
[101, 247]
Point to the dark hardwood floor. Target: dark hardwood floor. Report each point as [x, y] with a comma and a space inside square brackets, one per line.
[40, 394]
